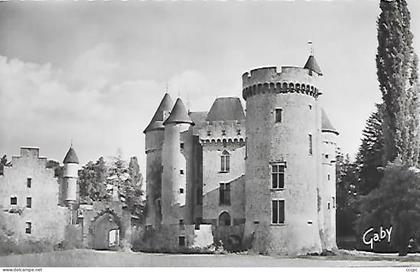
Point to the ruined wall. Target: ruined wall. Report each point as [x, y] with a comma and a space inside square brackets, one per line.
[287, 142]
[48, 220]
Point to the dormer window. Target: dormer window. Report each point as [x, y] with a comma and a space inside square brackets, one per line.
[225, 162]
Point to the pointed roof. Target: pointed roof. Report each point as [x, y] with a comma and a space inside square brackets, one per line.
[326, 125]
[178, 114]
[226, 108]
[71, 156]
[312, 65]
[157, 120]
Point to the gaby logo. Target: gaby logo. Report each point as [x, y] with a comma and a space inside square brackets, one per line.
[370, 237]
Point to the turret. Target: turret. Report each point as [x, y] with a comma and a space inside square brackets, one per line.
[70, 176]
[328, 205]
[283, 126]
[154, 143]
[174, 181]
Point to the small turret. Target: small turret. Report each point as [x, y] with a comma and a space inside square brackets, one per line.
[179, 114]
[70, 175]
[161, 114]
[312, 65]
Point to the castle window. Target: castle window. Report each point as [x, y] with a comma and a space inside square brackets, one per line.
[225, 162]
[28, 228]
[181, 171]
[224, 194]
[277, 211]
[329, 205]
[310, 144]
[310, 107]
[279, 115]
[208, 133]
[181, 190]
[238, 132]
[223, 132]
[333, 202]
[28, 182]
[224, 219]
[181, 241]
[181, 145]
[13, 200]
[329, 177]
[277, 175]
[29, 202]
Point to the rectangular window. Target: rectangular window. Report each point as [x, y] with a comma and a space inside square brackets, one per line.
[225, 162]
[181, 145]
[13, 200]
[223, 132]
[278, 211]
[277, 176]
[279, 115]
[29, 182]
[181, 171]
[28, 228]
[208, 133]
[181, 241]
[29, 202]
[333, 202]
[238, 132]
[224, 194]
[310, 144]
[181, 190]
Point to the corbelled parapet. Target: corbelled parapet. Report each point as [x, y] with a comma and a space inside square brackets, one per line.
[219, 131]
[288, 80]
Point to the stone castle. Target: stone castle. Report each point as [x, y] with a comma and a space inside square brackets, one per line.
[271, 170]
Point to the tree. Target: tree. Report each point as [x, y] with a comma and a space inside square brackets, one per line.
[371, 153]
[396, 64]
[395, 202]
[3, 163]
[92, 181]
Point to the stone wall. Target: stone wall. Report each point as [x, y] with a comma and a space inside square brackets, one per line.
[48, 220]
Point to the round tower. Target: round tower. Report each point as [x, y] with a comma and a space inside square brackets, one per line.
[328, 193]
[174, 182]
[283, 164]
[71, 176]
[154, 142]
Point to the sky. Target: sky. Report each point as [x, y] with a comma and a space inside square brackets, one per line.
[93, 73]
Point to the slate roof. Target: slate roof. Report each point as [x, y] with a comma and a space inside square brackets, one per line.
[71, 156]
[326, 125]
[312, 65]
[178, 114]
[157, 120]
[226, 108]
[198, 116]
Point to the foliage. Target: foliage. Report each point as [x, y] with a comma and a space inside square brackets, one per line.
[92, 183]
[371, 153]
[3, 163]
[395, 202]
[396, 64]
[347, 179]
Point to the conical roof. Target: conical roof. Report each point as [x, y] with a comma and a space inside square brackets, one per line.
[226, 108]
[312, 65]
[178, 114]
[71, 156]
[157, 120]
[326, 125]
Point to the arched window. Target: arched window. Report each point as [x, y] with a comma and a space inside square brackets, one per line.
[224, 219]
[225, 162]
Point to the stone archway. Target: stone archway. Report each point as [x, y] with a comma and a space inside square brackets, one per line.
[105, 231]
[224, 219]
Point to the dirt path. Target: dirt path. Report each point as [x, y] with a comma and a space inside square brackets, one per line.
[107, 258]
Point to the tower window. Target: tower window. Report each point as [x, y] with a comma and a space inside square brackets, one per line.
[279, 115]
[29, 202]
[277, 176]
[28, 182]
[310, 144]
[181, 145]
[223, 132]
[181, 190]
[208, 133]
[277, 211]
[13, 200]
[225, 162]
[329, 205]
[333, 202]
[181, 171]
[238, 132]
[224, 194]
[181, 241]
[329, 177]
[28, 228]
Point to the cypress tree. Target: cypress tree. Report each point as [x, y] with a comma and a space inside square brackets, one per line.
[396, 64]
